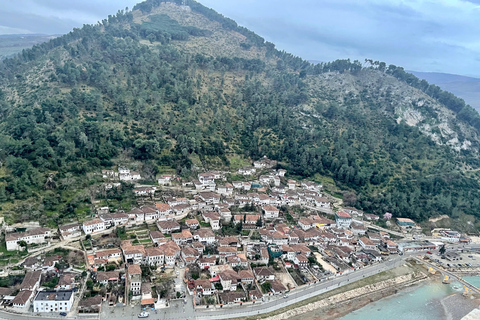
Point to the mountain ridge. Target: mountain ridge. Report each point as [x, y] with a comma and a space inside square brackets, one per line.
[164, 87]
[467, 88]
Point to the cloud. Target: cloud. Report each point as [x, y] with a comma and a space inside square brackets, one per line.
[423, 35]
[56, 16]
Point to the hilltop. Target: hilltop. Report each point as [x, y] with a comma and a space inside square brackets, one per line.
[170, 88]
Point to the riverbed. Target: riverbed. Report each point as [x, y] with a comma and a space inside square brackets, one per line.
[426, 301]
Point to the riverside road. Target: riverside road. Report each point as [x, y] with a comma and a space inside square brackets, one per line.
[180, 310]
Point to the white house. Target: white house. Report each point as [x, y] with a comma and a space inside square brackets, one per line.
[135, 279]
[127, 175]
[367, 243]
[322, 202]
[36, 236]
[93, 226]
[247, 171]
[206, 178]
[22, 299]
[154, 255]
[53, 301]
[343, 219]
[213, 218]
[204, 287]
[165, 179]
[70, 230]
[205, 236]
[271, 212]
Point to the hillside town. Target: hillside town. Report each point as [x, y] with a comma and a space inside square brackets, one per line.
[216, 241]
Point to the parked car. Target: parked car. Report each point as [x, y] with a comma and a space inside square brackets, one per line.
[63, 314]
[143, 314]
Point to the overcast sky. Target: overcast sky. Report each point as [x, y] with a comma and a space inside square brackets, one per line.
[421, 35]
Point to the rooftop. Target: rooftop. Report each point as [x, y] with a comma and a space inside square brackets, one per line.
[59, 295]
[342, 214]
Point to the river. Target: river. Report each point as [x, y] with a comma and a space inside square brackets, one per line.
[427, 301]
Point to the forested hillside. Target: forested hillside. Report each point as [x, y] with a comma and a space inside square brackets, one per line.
[170, 88]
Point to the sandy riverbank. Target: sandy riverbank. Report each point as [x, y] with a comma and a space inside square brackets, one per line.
[343, 301]
[343, 308]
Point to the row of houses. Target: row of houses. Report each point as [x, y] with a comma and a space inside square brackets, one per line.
[123, 174]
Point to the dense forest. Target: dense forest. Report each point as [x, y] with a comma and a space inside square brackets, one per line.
[125, 91]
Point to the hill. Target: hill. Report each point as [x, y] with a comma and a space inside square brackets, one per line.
[166, 87]
[467, 88]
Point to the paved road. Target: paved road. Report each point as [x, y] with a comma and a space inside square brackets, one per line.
[395, 233]
[180, 310]
[324, 210]
[177, 310]
[299, 294]
[451, 275]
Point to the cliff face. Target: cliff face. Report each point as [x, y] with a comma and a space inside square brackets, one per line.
[399, 101]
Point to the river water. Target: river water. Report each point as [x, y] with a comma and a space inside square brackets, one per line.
[423, 302]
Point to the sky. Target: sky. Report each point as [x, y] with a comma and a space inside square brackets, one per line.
[420, 35]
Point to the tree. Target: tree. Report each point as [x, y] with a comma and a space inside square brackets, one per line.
[442, 250]
[266, 287]
[259, 222]
[22, 244]
[89, 284]
[349, 199]
[3, 194]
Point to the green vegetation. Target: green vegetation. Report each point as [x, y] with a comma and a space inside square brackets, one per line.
[134, 93]
[11, 280]
[266, 287]
[51, 283]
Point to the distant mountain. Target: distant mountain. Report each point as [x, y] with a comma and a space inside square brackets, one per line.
[169, 87]
[466, 88]
[11, 44]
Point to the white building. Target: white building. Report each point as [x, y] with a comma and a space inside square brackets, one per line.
[71, 230]
[271, 212]
[53, 301]
[205, 236]
[165, 179]
[36, 235]
[343, 219]
[127, 175]
[93, 226]
[135, 279]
